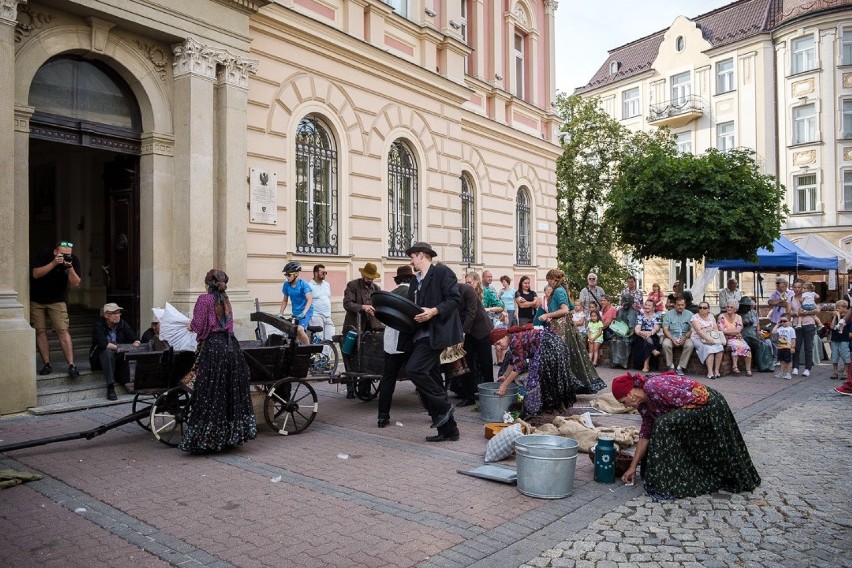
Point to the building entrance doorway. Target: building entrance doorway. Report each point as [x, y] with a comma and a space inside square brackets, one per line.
[84, 178]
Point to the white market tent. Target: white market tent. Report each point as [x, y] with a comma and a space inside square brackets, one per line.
[819, 246]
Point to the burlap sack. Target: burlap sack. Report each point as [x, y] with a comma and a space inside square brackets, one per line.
[607, 403]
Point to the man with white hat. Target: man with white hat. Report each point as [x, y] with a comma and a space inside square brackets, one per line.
[109, 332]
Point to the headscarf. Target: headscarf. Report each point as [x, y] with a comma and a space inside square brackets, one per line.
[217, 282]
[499, 333]
[623, 384]
[558, 278]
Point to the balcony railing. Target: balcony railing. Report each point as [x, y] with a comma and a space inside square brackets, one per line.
[676, 112]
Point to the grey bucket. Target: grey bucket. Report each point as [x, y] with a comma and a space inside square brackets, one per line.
[546, 466]
[491, 405]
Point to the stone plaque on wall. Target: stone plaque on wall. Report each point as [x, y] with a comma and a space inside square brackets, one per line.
[264, 196]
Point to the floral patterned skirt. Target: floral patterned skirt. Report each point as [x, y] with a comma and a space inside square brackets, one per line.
[222, 414]
[695, 451]
[738, 347]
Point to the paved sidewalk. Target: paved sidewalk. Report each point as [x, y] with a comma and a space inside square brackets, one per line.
[345, 493]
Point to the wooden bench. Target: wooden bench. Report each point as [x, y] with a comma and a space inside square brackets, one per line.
[695, 368]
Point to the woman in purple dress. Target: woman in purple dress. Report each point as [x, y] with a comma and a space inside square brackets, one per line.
[222, 414]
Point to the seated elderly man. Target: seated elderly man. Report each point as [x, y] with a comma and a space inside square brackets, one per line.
[677, 331]
[108, 333]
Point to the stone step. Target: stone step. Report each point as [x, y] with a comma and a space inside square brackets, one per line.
[84, 404]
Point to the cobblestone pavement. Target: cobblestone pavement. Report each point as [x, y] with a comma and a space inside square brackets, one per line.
[800, 515]
[345, 493]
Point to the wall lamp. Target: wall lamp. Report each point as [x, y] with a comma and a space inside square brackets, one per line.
[430, 12]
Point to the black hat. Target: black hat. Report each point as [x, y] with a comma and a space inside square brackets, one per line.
[421, 246]
[404, 273]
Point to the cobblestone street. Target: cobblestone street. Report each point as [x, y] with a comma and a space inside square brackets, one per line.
[800, 515]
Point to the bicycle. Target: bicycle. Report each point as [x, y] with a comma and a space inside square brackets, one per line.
[327, 361]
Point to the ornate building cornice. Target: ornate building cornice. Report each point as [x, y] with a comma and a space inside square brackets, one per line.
[550, 7]
[192, 57]
[9, 11]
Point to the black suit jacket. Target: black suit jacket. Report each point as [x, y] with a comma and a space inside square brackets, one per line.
[475, 320]
[123, 334]
[439, 289]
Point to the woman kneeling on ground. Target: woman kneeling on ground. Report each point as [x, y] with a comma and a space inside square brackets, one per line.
[689, 438]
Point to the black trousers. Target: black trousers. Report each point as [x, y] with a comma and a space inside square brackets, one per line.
[481, 364]
[387, 385]
[422, 367]
[114, 371]
[805, 343]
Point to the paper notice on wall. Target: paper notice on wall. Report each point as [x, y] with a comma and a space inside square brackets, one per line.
[264, 196]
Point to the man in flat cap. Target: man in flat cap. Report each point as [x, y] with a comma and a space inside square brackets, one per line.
[110, 331]
[436, 291]
[357, 300]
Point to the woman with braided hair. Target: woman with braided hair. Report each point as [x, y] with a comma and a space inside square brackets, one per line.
[222, 413]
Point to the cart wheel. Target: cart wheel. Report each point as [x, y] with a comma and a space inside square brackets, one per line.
[143, 401]
[367, 389]
[290, 406]
[169, 415]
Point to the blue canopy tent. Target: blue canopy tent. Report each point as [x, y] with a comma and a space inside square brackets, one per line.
[786, 257]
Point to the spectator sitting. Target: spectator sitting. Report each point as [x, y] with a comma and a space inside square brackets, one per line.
[608, 313]
[677, 330]
[592, 292]
[108, 333]
[731, 324]
[731, 292]
[677, 290]
[656, 296]
[646, 341]
[152, 336]
[690, 305]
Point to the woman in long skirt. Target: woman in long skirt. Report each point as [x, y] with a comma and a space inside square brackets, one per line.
[222, 414]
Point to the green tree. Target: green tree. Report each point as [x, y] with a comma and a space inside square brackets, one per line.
[678, 206]
[592, 147]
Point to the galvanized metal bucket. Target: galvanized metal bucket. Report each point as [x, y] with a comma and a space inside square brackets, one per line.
[546, 466]
[492, 406]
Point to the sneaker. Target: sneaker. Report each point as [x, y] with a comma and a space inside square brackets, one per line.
[778, 375]
[806, 373]
[679, 371]
[777, 364]
[843, 389]
[671, 368]
[833, 377]
[795, 371]
[73, 372]
[111, 393]
[46, 370]
[787, 376]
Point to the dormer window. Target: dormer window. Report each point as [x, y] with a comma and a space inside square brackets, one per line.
[679, 44]
[613, 67]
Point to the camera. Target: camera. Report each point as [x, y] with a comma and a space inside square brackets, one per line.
[66, 257]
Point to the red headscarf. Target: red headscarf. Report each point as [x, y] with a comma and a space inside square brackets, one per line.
[622, 385]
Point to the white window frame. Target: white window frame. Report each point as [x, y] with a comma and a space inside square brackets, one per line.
[846, 46]
[725, 136]
[725, 77]
[805, 194]
[690, 273]
[846, 119]
[631, 105]
[683, 146]
[463, 33]
[804, 124]
[681, 90]
[520, 66]
[803, 54]
[846, 190]
[725, 275]
[399, 6]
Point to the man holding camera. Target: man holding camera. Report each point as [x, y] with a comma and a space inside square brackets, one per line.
[53, 272]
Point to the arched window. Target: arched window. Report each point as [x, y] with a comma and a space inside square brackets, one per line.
[523, 224]
[402, 199]
[468, 224]
[316, 188]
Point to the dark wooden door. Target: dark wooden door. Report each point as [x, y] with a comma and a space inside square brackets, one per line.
[121, 249]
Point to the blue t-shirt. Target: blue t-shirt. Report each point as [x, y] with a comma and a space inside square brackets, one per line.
[557, 298]
[508, 299]
[298, 296]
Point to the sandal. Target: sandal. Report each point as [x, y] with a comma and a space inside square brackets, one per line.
[748, 372]
[735, 371]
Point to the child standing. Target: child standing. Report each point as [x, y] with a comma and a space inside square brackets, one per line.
[579, 320]
[786, 346]
[809, 300]
[595, 330]
[839, 339]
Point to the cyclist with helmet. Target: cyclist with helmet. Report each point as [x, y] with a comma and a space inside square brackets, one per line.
[300, 292]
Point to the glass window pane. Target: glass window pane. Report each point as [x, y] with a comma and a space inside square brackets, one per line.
[316, 188]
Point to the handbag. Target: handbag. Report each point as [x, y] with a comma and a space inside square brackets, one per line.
[619, 328]
[459, 367]
[718, 338]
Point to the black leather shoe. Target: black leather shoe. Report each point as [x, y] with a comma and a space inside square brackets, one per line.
[73, 372]
[466, 402]
[46, 370]
[350, 396]
[454, 437]
[443, 418]
[111, 393]
[383, 422]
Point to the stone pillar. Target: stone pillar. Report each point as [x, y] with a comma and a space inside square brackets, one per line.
[550, 7]
[232, 189]
[17, 339]
[195, 223]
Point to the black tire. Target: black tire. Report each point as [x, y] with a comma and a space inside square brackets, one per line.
[169, 415]
[322, 366]
[143, 401]
[290, 406]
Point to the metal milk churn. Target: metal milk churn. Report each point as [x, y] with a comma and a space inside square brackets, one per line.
[349, 342]
[605, 459]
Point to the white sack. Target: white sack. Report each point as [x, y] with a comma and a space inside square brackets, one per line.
[173, 329]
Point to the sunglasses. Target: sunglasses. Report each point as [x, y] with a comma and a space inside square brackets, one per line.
[703, 307]
[784, 321]
[66, 244]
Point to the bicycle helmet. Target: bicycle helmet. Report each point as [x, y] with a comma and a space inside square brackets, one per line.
[292, 267]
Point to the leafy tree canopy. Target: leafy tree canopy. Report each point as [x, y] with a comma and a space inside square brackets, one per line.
[678, 206]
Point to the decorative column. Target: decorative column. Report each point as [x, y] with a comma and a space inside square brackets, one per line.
[17, 339]
[231, 186]
[195, 212]
[550, 7]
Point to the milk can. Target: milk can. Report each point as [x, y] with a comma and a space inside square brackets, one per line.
[349, 342]
[605, 460]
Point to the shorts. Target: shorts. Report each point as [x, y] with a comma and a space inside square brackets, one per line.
[808, 307]
[785, 355]
[840, 351]
[306, 321]
[57, 312]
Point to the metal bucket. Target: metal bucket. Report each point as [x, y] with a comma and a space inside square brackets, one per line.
[492, 406]
[546, 466]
